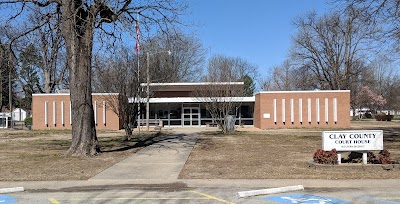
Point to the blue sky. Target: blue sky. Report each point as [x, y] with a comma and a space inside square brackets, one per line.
[257, 30]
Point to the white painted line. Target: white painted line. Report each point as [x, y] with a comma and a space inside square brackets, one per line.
[269, 191]
[11, 190]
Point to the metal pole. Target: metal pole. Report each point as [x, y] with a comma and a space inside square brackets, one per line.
[148, 92]
[20, 117]
[1, 85]
[138, 94]
[10, 91]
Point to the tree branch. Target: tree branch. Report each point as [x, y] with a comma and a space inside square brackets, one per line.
[36, 2]
[25, 33]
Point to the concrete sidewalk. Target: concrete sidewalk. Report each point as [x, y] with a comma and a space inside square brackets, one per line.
[161, 160]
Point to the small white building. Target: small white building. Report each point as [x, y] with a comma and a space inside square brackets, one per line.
[19, 114]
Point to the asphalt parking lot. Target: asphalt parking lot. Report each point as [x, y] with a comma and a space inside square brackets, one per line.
[205, 195]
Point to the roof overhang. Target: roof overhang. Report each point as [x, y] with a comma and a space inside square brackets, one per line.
[195, 99]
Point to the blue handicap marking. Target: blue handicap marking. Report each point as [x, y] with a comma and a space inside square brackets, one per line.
[304, 199]
[7, 199]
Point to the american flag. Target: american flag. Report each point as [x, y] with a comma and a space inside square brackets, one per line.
[137, 36]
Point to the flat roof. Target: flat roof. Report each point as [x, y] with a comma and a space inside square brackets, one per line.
[67, 94]
[309, 91]
[195, 99]
[193, 83]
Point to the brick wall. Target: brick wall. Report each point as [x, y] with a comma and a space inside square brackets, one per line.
[57, 109]
[308, 109]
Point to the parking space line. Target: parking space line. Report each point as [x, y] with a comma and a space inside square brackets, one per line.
[54, 201]
[111, 192]
[212, 197]
[97, 199]
[391, 198]
[203, 197]
[380, 199]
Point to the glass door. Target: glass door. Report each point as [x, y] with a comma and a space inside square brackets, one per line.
[191, 116]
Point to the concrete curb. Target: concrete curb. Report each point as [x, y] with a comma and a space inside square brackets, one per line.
[214, 183]
[269, 191]
[11, 190]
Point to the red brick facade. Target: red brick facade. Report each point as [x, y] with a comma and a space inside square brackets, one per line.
[297, 109]
[284, 109]
[52, 111]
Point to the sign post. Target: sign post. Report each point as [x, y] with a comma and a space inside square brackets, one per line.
[353, 140]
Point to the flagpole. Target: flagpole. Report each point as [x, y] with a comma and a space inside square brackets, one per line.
[138, 72]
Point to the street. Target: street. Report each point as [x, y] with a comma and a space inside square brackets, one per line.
[167, 195]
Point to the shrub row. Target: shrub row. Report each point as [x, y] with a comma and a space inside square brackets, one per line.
[330, 157]
[325, 157]
[383, 117]
[28, 121]
[382, 158]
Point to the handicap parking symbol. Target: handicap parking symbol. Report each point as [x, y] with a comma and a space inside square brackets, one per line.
[7, 199]
[304, 199]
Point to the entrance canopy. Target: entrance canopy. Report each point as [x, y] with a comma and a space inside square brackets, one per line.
[176, 104]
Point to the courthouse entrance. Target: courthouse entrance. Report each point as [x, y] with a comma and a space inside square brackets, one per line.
[191, 114]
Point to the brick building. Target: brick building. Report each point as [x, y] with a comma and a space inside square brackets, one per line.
[175, 106]
[297, 109]
[53, 111]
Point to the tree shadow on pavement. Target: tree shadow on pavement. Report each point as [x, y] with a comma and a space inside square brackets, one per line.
[146, 141]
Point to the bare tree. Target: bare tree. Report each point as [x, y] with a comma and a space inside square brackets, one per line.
[393, 94]
[224, 69]
[266, 83]
[118, 74]
[386, 80]
[331, 48]
[283, 78]
[289, 76]
[380, 13]
[221, 100]
[383, 72]
[222, 96]
[51, 52]
[184, 62]
[80, 20]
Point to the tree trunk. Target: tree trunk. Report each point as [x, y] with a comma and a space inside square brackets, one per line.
[77, 30]
[128, 132]
[47, 81]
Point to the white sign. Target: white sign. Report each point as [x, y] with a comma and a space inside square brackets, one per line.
[267, 115]
[354, 140]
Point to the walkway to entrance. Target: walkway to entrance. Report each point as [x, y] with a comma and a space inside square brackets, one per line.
[162, 160]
